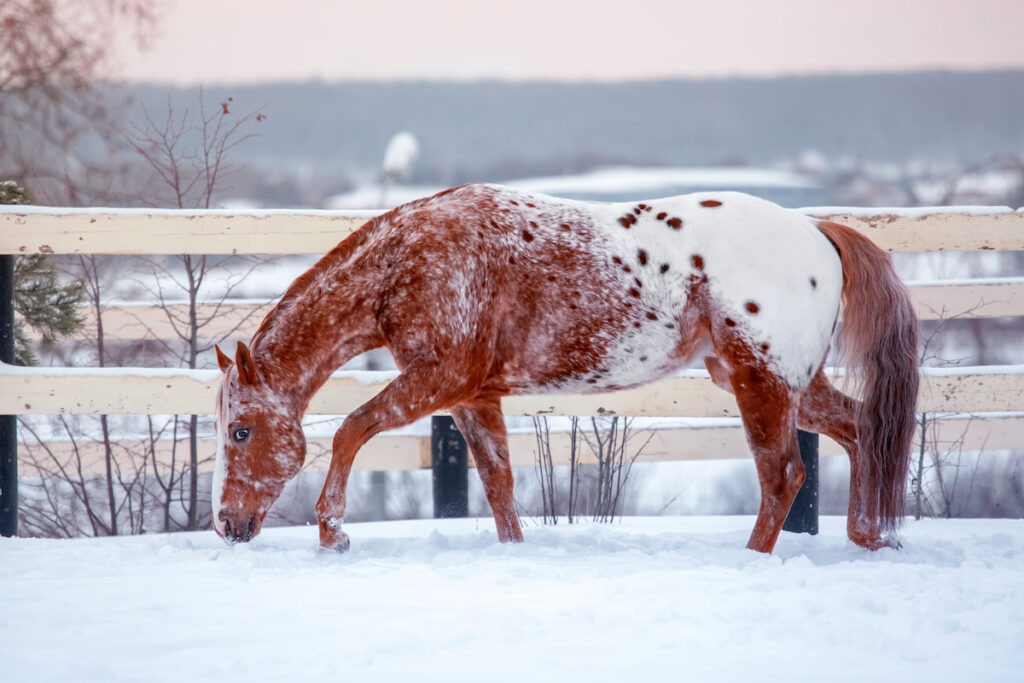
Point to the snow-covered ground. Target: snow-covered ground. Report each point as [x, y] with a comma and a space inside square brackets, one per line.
[643, 600]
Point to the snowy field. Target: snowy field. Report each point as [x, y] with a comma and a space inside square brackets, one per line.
[647, 599]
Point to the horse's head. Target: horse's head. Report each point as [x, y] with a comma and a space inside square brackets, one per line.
[260, 446]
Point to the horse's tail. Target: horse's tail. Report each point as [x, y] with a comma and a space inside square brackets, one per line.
[879, 341]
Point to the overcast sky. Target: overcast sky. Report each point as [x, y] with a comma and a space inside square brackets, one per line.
[219, 41]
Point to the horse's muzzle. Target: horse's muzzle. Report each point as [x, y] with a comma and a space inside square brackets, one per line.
[239, 530]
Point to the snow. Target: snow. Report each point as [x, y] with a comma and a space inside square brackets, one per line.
[903, 211]
[121, 211]
[648, 599]
[637, 180]
[402, 151]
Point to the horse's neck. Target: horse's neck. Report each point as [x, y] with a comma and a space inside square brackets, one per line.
[322, 322]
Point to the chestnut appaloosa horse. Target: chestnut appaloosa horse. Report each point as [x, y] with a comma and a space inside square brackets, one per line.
[483, 291]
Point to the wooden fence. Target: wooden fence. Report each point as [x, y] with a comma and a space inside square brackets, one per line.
[27, 230]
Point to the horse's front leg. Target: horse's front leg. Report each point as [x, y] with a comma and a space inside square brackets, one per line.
[330, 508]
[483, 426]
[419, 391]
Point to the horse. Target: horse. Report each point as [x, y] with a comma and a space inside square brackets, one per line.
[483, 291]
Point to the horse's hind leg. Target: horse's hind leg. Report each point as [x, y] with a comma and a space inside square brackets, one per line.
[483, 426]
[825, 410]
[420, 390]
[768, 408]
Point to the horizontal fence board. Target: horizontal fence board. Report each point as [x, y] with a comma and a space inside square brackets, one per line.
[93, 232]
[993, 298]
[938, 231]
[29, 230]
[403, 452]
[139, 391]
[996, 298]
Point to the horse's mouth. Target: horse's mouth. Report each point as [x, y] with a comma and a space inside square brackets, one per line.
[239, 530]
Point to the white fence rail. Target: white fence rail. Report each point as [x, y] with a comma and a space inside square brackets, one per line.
[25, 230]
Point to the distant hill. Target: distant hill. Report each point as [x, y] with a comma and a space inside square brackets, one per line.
[495, 130]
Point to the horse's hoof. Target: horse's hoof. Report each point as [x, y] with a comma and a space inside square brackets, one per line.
[892, 542]
[339, 544]
[332, 538]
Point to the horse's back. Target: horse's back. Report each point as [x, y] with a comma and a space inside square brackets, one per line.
[563, 295]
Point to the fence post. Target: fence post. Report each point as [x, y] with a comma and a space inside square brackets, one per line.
[803, 515]
[8, 423]
[450, 464]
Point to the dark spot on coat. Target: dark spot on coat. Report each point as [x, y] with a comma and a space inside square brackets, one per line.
[627, 220]
[616, 260]
[532, 206]
[527, 235]
[698, 261]
[764, 347]
[810, 371]
[752, 307]
[513, 202]
[638, 283]
[566, 226]
[814, 283]
[675, 222]
[642, 257]
[652, 316]
[642, 206]
[729, 322]
[591, 381]
[627, 269]
[670, 326]
[552, 278]
[711, 203]
[664, 268]
[533, 224]
[637, 324]
[633, 291]
[661, 216]
[636, 210]
[643, 359]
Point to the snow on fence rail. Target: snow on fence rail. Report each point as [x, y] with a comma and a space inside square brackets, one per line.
[25, 230]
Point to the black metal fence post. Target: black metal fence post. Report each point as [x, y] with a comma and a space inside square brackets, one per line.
[8, 423]
[449, 461]
[803, 515]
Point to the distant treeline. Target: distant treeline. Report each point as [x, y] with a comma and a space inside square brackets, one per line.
[490, 130]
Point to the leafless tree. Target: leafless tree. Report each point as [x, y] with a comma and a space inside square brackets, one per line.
[937, 465]
[189, 156]
[595, 490]
[52, 56]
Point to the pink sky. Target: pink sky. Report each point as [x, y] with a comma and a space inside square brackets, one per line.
[217, 41]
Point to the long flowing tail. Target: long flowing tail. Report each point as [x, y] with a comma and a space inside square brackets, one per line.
[879, 341]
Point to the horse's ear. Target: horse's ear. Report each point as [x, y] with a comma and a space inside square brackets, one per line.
[246, 368]
[222, 360]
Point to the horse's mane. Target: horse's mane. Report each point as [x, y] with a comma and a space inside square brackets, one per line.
[339, 254]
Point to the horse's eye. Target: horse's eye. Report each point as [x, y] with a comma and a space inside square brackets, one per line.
[240, 434]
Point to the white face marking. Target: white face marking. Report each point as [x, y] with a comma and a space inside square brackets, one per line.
[220, 464]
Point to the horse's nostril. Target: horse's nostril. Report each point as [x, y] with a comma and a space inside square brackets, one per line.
[250, 529]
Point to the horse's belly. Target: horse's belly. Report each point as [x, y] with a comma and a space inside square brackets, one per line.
[631, 361]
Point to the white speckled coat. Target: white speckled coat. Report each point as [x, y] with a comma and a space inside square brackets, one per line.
[483, 291]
